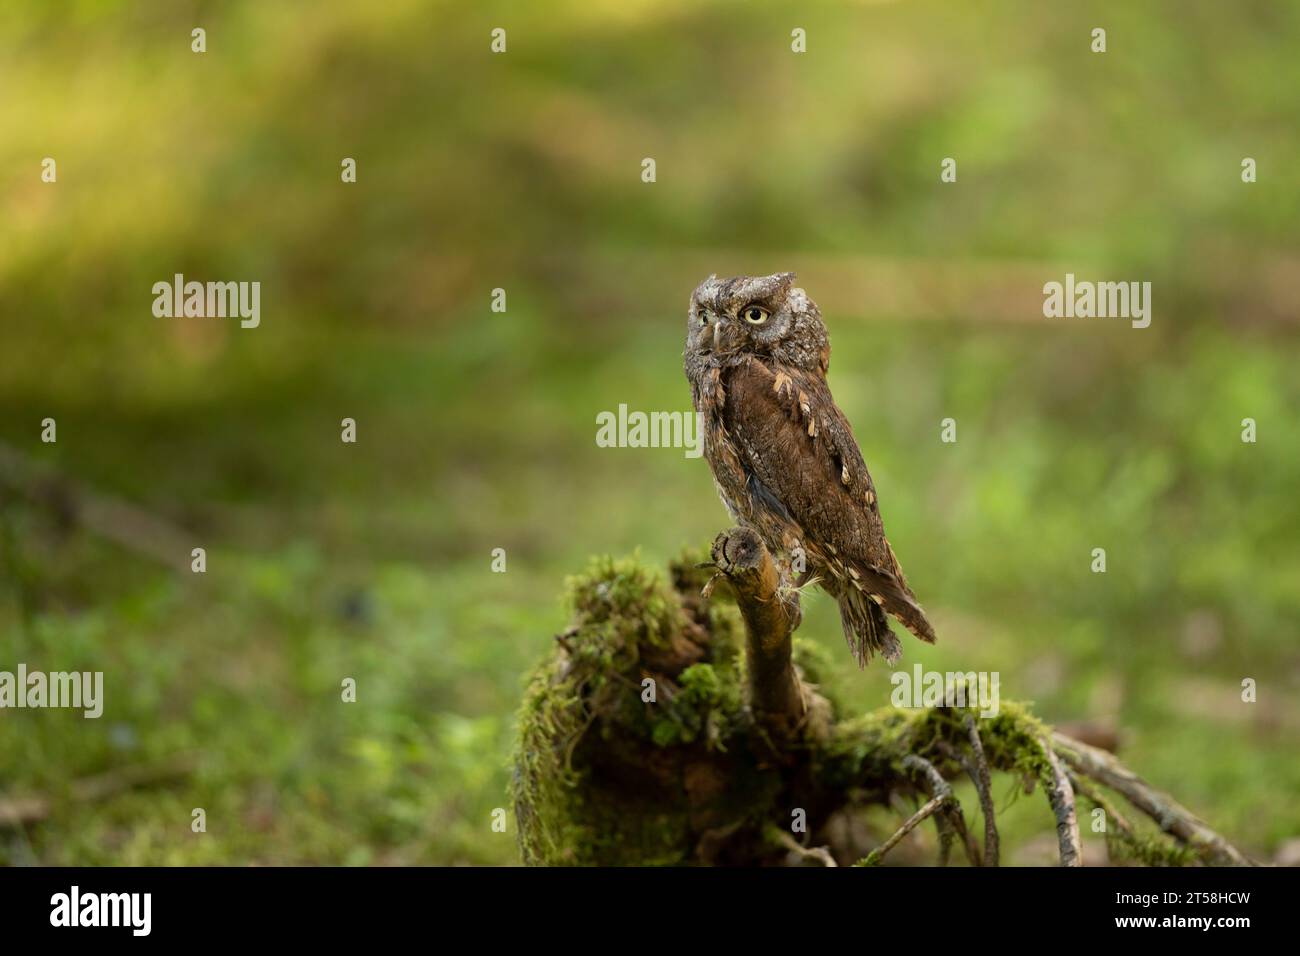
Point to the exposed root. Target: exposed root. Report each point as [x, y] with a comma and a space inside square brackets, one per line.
[1081, 786]
[984, 785]
[977, 768]
[736, 730]
[875, 856]
[1168, 814]
[1061, 795]
[951, 814]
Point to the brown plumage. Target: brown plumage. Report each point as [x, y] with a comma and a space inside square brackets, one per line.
[783, 455]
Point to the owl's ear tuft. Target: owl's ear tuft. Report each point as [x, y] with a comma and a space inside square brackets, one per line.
[704, 288]
[778, 282]
[763, 287]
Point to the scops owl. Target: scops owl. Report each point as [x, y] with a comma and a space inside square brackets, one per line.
[783, 455]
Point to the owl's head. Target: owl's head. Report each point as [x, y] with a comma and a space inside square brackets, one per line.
[764, 316]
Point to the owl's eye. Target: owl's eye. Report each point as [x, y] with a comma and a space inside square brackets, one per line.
[754, 315]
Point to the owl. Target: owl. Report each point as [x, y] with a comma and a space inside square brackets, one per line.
[783, 455]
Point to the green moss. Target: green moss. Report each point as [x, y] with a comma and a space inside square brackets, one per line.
[1013, 742]
[619, 604]
[707, 703]
[551, 721]
[621, 611]
[626, 623]
[1148, 849]
[875, 744]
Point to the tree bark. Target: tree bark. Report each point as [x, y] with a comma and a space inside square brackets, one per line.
[775, 693]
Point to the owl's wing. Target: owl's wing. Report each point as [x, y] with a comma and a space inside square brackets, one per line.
[790, 435]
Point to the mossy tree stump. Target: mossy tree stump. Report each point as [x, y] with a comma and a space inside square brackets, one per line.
[671, 726]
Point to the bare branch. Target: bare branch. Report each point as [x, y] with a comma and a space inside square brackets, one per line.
[876, 855]
[951, 817]
[984, 785]
[967, 838]
[776, 695]
[818, 855]
[1171, 817]
[1061, 795]
[1082, 786]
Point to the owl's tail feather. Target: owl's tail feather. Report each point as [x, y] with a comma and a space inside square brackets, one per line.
[866, 628]
[863, 604]
[913, 618]
[899, 601]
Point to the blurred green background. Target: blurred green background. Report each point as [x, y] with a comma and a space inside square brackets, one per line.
[476, 429]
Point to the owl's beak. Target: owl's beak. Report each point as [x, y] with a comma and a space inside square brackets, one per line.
[724, 334]
[727, 335]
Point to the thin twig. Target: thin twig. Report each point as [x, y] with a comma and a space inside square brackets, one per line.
[816, 854]
[946, 837]
[967, 838]
[876, 855]
[952, 814]
[984, 785]
[1082, 786]
[1061, 795]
